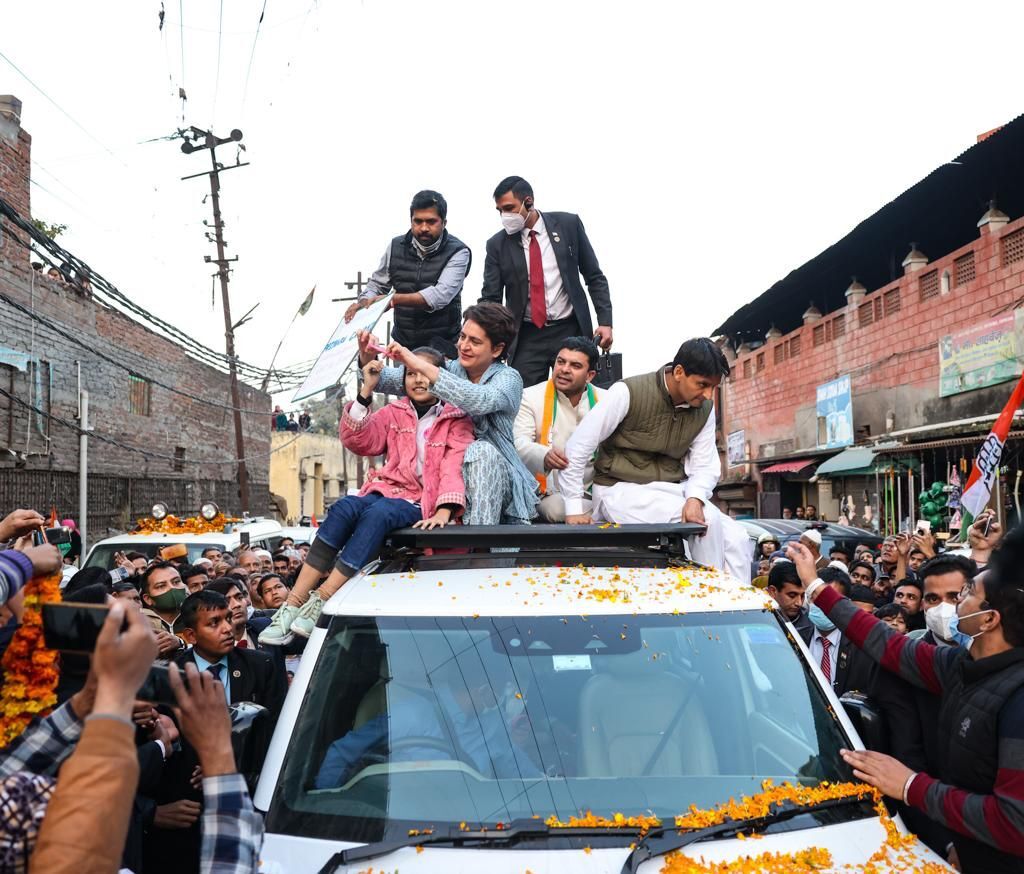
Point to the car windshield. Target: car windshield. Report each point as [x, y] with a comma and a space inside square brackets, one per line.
[426, 722]
[103, 554]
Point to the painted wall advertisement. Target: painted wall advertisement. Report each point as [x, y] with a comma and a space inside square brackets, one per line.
[981, 355]
[736, 448]
[835, 414]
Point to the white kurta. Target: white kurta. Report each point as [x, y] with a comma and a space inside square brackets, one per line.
[726, 544]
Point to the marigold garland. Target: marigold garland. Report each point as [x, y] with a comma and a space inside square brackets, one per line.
[171, 524]
[895, 854]
[30, 669]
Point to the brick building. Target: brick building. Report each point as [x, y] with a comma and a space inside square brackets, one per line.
[160, 419]
[837, 391]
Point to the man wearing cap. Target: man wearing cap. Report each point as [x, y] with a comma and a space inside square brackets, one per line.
[657, 461]
[766, 545]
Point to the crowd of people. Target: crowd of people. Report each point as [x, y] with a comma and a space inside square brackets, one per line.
[935, 639]
[282, 421]
[495, 421]
[110, 780]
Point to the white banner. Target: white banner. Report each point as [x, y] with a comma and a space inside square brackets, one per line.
[340, 350]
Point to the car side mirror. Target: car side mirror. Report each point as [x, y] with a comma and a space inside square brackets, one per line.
[867, 720]
[250, 737]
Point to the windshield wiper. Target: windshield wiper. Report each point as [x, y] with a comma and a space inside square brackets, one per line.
[666, 839]
[518, 830]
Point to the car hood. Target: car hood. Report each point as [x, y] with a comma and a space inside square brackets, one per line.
[850, 843]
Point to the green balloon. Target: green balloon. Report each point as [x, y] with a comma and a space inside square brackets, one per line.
[924, 496]
[938, 488]
[929, 508]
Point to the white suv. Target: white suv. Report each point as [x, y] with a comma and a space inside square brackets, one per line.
[453, 711]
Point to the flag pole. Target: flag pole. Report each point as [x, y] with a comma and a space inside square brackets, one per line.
[301, 311]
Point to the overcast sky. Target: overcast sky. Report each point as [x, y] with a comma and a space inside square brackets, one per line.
[709, 150]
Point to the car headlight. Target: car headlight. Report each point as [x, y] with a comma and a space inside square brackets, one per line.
[209, 511]
[159, 511]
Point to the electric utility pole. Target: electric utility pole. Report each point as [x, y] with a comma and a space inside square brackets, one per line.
[195, 140]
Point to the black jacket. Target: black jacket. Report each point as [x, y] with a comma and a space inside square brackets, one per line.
[507, 281]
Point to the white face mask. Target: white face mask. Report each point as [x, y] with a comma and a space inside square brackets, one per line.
[937, 620]
[513, 222]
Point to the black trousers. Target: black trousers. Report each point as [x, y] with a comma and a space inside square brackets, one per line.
[537, 348]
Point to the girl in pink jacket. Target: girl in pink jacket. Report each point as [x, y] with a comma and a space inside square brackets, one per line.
[420, 484]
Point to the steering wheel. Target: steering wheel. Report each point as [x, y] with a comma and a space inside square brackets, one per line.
[417, 740]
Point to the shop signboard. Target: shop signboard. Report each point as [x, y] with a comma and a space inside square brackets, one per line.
[835, 414]
[981, 355]
[736, 448]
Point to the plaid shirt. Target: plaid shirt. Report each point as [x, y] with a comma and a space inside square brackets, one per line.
[232, 829]
[44, 745]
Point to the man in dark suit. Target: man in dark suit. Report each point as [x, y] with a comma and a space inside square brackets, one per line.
[844, 666]
[533, 266]
[247, 675]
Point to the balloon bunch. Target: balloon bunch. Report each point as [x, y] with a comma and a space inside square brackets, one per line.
[931, 504]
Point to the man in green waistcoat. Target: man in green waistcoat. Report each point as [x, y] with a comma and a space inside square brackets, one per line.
[654, 436]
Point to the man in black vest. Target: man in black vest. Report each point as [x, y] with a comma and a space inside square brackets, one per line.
[426, 266]
[533, 266]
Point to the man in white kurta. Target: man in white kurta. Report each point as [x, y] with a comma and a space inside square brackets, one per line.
[654, 436]
[548, 416]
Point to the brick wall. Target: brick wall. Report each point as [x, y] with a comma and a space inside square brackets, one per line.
[170, 423]
[888, 344]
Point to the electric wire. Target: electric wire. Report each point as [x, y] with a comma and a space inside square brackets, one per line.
[101, 286]
[61, 109]
[181, 31]
[252, 55]
[148, 453]
[216, 81]
[71, 338]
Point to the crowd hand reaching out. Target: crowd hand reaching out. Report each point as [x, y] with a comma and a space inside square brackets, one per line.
[976, 536]
[925, 542]
[122, 659]
[903, 544]
[46, 559]
[442, 516]
[167, 643]
[204, 719]
[18, 523]
[879, 770]
[805, 563]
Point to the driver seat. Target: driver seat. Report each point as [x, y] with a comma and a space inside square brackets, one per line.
[624, 713]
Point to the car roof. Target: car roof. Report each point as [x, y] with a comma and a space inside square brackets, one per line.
[792, 528]
[298, 533]
[544, 591]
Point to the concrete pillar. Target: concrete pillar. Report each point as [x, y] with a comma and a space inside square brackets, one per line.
[992, 222]
[855, 293]
[915, 260]
[811, 315]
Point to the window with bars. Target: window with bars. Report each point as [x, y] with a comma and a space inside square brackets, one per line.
[1013, 247]
[747, 367]
[963, 269]
[866, 313]
[826, 332]
[838, 326]
[794, 346]
[780, 353]
[891, 301]
[138, 395]
[760, 361]
[819, 334]
[929, 285]
[178, 464]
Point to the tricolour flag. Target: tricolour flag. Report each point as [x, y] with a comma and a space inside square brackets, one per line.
[986, 464]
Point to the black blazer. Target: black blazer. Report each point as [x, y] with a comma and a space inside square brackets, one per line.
[507, 281]
[255, 677]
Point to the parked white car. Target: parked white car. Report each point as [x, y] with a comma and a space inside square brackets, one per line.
[448, 705]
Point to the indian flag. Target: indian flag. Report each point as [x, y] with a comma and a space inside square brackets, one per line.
[986, 464]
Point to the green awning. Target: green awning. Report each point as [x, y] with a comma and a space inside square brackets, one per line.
[853, 458]
[864, 460]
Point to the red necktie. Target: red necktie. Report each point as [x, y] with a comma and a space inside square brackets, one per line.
[826, 663]
[242, 644]
[538, 305]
